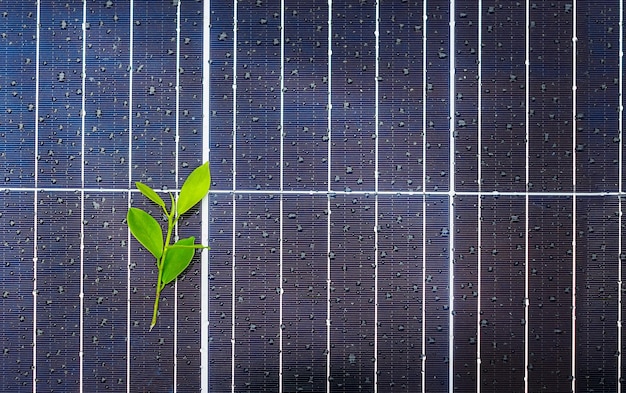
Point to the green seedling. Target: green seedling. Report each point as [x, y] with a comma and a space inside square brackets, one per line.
[171, 259]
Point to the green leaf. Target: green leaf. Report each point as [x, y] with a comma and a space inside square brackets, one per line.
[177, 259]
[171, 214]
[150, 194]
[194, 189]
[146, 230]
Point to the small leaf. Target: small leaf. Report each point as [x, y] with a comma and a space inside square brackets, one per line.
[194, 189]
[171, 214]
[177, 259]
[146, 230]
[150, 194]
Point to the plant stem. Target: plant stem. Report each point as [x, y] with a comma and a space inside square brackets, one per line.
[159, 287]
[155, 311]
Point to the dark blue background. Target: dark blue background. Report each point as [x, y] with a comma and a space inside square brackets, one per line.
[289, 163]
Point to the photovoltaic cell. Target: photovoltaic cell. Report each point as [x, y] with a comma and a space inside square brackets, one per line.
[17, 286]
[106, 96]
[597, 307]
[502, 97]
[407, 196]
[597, 141]
[258, 96]
[256, 294]
[57, 310]
[104, 280]
[436, 298]
[304, 300]
[502, 268]
[551, 81]
[352, 75]
[220, 292]
[400, 118]
[467, 97]
[221, 99]
[550, 311]
[400, 293]
[437, 160]
[467, 286]
[305, 98]
[352, 295]
[18, 98]
[154, 94]
[60, 96]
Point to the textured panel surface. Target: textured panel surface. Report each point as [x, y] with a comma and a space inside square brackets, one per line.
[407, 195]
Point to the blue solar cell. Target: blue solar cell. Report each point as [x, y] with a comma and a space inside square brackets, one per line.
[406, 196]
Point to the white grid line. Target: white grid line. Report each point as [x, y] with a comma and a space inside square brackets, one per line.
[82, 201]
[35, 201]
[331, 193]
[526, 198]
[574, 231]
[452, 187]
[282, 201]
[129, 191]
[206, 134]
[234, 199]
[479, 179]
[328, 180]
[334, 193]
[376, 179]
[424, 133]
[619, 181]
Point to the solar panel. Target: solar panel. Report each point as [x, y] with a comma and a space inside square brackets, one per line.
[407, 196]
